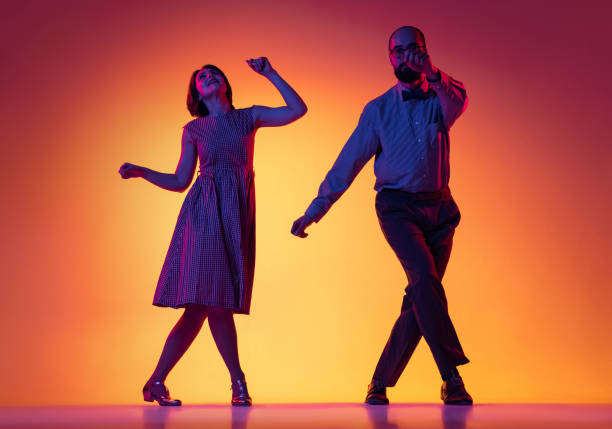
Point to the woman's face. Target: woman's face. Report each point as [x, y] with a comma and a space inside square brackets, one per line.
[210, 82]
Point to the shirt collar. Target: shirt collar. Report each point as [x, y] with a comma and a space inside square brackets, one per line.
[423, 86]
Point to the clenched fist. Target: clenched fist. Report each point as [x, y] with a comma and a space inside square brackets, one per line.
[261, 65]
[300, 225]
[128, 171]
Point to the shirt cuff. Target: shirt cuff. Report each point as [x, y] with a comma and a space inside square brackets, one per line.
[315, 212]
[444, 81]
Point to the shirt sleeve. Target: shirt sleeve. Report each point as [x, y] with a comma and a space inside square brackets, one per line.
[360, 147]
[453, 98]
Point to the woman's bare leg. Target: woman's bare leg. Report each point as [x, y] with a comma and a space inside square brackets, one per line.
[221, 321]
[179, 340]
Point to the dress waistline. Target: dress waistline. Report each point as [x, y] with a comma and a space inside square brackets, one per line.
[211, 171]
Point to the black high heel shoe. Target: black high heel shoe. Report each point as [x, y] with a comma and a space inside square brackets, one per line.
[240, 394]
[164, 399]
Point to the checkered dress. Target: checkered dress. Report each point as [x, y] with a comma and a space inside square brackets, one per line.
[211, 258]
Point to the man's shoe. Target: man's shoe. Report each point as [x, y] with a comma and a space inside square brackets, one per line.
[377, 395]
[454, 393]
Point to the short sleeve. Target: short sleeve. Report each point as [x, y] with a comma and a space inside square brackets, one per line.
[252, 116]
[187, 132]
[189, 124]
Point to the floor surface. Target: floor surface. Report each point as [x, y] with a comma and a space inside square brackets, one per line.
[320, 416]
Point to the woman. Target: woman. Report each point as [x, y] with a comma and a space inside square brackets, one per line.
[209, 267]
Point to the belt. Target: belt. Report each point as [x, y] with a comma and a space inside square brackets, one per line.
[442, 194]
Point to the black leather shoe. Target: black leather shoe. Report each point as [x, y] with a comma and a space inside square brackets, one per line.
[156, 391]
[377, 395]
[240, 394]
[454, 393]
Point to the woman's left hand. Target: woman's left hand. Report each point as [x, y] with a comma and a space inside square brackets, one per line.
[261, 65]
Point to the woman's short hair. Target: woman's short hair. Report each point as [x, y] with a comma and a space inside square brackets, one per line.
[195, 105]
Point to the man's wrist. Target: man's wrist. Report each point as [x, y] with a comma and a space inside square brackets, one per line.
[314, 212]
[434, 75]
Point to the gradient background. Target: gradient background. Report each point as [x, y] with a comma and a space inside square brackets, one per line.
[88, 85]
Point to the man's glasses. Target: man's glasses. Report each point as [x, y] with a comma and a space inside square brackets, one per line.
[398, 51]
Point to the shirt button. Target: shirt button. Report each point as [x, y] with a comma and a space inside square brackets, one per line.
[417, 122]
[420, 140]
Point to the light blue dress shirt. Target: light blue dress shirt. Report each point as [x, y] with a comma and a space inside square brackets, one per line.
[409, 140]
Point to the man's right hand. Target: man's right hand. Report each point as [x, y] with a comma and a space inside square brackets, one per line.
[300, 225]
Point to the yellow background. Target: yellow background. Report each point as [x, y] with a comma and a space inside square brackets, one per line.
[87, 86]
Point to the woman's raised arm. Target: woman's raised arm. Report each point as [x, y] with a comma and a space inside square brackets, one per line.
[276, 116]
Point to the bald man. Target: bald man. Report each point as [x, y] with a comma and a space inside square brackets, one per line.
[406, 130]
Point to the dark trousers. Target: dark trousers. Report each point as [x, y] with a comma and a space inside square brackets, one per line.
[420, 231]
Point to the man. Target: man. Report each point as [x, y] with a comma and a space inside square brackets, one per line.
[406, 130]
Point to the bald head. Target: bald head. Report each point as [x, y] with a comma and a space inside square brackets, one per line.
[406, 35]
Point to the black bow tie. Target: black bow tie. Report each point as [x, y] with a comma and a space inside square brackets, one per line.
[413, 95]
